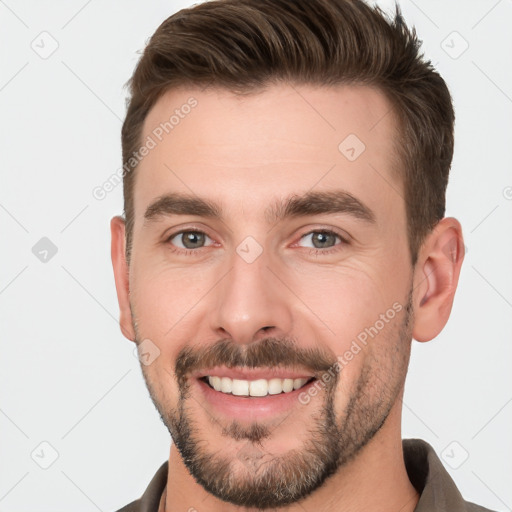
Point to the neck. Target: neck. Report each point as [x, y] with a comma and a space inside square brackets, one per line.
[376, 480]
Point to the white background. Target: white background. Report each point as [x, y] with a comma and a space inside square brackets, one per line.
[67, 375]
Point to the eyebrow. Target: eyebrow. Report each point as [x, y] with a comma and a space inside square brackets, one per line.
[310, 203]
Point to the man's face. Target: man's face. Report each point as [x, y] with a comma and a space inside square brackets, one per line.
[262, 291]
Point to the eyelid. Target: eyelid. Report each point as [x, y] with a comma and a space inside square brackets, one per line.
[344, 237]
[174, 234]
[171, 233]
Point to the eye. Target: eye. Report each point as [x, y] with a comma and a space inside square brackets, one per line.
[324, 241]
[188, 240]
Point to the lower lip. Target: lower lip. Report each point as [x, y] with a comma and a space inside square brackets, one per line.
[252, 408]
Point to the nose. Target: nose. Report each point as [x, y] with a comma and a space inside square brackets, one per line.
[252, 302]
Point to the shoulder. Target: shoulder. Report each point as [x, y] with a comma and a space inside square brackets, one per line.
[149, 501]
[134, 506]
[427, 474]
[473, 507]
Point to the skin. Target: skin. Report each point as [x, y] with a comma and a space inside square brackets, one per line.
[243, 153]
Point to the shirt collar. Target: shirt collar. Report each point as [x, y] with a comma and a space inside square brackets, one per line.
[429, 477]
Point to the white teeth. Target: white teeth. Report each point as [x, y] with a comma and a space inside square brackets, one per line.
[260, 387]
[298, 383]
[275, 386]
[226, 384]
[287, 385]
[240, 387]
[216, 383]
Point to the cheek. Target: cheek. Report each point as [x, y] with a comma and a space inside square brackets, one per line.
[359, 306]
[162, 385]
[345, 299]
[164, 300]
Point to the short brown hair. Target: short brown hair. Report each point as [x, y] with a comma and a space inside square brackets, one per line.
[245, 45]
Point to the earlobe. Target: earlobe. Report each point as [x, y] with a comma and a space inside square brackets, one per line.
[436, 278]
[121, 276]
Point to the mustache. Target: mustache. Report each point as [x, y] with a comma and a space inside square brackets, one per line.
[269, 352]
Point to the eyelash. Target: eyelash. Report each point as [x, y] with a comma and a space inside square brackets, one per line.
[330, 250]
[312, 251]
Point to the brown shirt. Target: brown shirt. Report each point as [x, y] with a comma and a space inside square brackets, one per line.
[438, 492]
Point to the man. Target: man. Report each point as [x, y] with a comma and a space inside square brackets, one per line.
[283, 241]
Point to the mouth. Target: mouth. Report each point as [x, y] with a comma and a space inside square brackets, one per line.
[256, 396]
[255, 388]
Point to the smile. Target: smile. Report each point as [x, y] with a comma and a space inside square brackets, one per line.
[254, 388]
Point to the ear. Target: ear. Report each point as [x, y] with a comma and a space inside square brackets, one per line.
[121, 276]
[436, 276]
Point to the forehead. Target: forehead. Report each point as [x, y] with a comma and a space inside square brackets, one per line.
[248, 149]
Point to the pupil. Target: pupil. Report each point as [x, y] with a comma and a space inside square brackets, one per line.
[322, 238]
[195, 239]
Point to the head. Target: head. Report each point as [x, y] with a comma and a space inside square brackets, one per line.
[285, 172]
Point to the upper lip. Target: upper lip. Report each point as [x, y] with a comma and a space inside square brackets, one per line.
[253, 373]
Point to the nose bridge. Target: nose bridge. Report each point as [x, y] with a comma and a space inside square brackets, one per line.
[250, 296]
